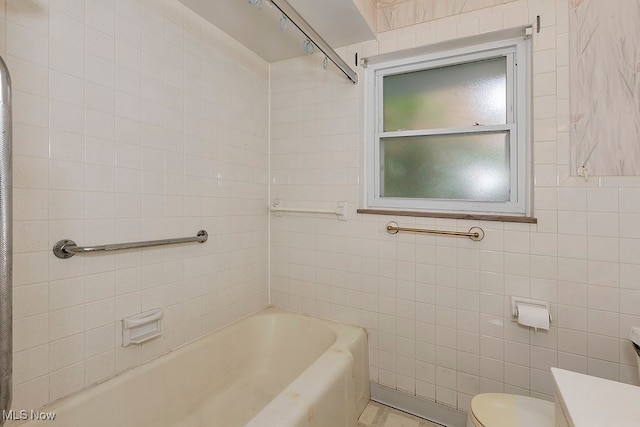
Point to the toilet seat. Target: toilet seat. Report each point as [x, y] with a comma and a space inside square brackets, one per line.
[510, 410]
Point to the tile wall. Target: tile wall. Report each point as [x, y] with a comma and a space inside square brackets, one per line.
[436, 308]
[133, 120]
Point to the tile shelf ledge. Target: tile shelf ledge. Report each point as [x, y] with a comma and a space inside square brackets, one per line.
[450, 215]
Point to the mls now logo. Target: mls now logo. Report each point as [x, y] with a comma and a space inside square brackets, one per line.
[23, 414]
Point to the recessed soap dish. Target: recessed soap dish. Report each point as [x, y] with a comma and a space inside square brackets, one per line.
[140, 328]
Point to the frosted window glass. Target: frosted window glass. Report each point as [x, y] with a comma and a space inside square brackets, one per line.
[460, 167]
[462, 95]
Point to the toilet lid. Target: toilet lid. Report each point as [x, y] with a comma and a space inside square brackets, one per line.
[510, 410]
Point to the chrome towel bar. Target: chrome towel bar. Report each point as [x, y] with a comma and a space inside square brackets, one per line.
[474, 233]
[67, 248]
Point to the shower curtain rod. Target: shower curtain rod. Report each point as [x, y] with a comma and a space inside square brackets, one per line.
[6, 243]
[297, 20]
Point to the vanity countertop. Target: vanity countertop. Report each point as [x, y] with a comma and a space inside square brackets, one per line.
[589, 401]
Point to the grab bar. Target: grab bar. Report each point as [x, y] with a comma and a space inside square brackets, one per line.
[474, 233]
[64, 249]
[340, 211]
[6, 243]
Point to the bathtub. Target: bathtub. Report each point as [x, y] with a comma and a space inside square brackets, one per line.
[272, 369]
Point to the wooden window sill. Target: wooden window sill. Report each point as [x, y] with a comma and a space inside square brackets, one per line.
[470, 216]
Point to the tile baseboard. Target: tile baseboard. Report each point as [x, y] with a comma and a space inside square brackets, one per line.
[426, 409]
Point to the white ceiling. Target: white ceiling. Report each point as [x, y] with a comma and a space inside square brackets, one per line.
[338, 22]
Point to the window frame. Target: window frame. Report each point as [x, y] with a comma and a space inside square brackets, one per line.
[518, 124]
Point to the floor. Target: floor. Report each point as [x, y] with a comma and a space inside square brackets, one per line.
[379, 415]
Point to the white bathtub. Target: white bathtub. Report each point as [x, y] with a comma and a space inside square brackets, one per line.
[272, 369]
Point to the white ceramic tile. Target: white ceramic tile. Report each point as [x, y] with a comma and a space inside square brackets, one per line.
[572, 317]
[603, 224]
[30, 236]
[73, 8]
[628, 301]
[67, 59]
[100, 17]
[128, 29]
[603, 348]
[30, 268]
[33, 16]
[100, 313]
[32, 394]
[66, 322]
[603, 322]
[30, 109]
[30, 172]
[544, 244]
[66, 351]
[30, 364]
[100, 367]
[30, 300]
[64, 175]
[66, 146]
[99, 286]
[628, 275]
[66, 293]
[100, 151]
[28, 76]
[27, 44]
[30, 332]
[602, 199]
[99, 178]
[604, 273]
[570, 222]
[572, 270]
[99, 340]
[35, 140]
[100, 44]
[572, 199]
[604, 248]
[99, 70]
[66, 29]
[67, 380]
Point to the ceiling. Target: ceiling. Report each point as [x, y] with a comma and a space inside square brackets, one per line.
[338, 22]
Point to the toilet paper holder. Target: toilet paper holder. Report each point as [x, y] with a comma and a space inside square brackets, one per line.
[520, 300]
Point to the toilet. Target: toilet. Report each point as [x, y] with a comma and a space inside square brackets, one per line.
[510, 410]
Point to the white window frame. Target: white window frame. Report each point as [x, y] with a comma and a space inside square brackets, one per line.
[518, 54]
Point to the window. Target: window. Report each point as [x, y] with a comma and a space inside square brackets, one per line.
[447, 132]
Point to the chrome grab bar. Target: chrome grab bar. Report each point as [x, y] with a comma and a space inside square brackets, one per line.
[64, 249]
[6, 243]
[474, 233]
